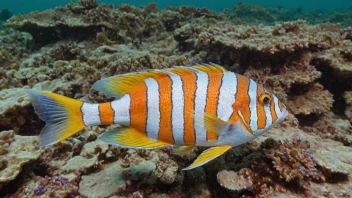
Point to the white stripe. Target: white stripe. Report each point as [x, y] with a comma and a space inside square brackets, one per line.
[91, 114]
[269, 119]
[200, 103]
[153, 113]
[252, 92]
[177, 108]
[277, 108]
[227, 96]
[121, 108]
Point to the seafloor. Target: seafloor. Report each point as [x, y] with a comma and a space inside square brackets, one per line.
[307, 64]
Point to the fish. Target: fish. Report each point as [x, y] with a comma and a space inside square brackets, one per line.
[181, 107]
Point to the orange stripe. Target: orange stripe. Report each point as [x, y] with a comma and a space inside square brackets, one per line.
[189, 87]
[215, 79]
[106, 113]
[242, 97]
[260, 110]
[165, 87]
[272, 110]
[138, 108]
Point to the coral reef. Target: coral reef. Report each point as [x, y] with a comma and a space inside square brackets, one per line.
[333, 127]
[16, 151]
[86, 19]
[348, 100]
[255, 14]
[19, 44]
[14, 106]
[8, 62]
[307, 64]
[234, 181]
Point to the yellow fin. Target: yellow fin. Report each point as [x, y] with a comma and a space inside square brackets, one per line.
[208, 155]
[119, 85]
[211, 122]
[210, 68]
[62, 116]
[130, 138]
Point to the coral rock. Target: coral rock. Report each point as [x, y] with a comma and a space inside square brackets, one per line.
[7, 61]
[79, 163]
[92, 148]
[331, 126]
[338, 59]
[348, 100]
[293, 160]
[233, 180]
[167, 171]
[112, 179]
[334, 158]
[57, 186]
[21, 151]
[314, 101]
[13, 106]
[91, 19]
[330, 154]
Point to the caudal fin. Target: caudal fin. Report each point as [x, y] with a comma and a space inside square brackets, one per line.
[62, 115]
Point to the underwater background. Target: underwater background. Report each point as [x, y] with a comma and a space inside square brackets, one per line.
[299, 50]
[25, 6]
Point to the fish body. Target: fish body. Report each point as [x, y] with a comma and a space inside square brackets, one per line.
[202, 105]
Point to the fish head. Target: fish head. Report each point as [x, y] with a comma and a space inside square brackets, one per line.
[265, 111]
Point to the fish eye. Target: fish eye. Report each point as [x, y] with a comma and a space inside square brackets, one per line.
[264, 98]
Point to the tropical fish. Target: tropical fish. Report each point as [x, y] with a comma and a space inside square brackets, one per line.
[201, 105]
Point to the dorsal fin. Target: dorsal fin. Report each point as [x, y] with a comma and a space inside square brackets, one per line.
[209, 68]
[119, 85]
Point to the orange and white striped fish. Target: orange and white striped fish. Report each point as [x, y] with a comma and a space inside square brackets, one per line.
[201, 105]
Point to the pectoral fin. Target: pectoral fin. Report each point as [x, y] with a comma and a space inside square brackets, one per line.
[130, 138]
[213, 123]
[208, 155]
[210, 122]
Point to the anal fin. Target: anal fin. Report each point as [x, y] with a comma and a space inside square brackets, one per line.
[130, 138]
[208, 155]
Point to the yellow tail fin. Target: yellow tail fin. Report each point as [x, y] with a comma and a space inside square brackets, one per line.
[62, 115]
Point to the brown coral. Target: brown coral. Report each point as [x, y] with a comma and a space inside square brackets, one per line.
[293, 160]
[348, 100]
[338, 59]
[274, 166]
[7, 61]
[315, 100]
[233, 181]
[16, 151]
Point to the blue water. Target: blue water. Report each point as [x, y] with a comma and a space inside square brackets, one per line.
[25, 6]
